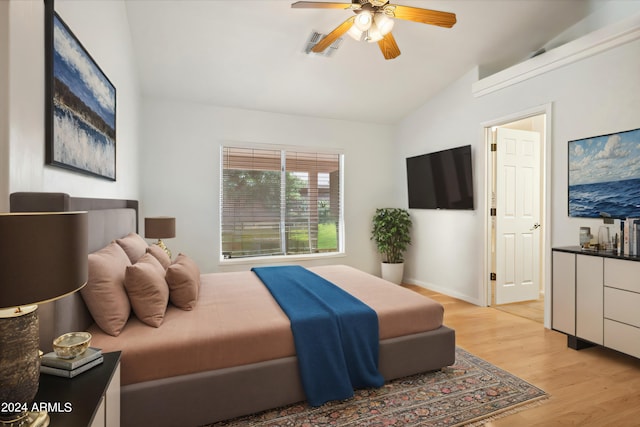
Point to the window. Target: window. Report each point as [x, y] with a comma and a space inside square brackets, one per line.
[280, 202]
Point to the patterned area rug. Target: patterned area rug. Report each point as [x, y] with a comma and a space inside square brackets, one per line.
[468, 392]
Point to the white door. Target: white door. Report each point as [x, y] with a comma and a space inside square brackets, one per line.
[517, 216]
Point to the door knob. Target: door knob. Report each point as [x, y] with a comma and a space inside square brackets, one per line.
[536, 225]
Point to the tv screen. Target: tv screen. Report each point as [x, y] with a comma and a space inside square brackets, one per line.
[604, 175]
[441, 180]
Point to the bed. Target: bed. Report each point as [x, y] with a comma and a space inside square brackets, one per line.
[233, 353]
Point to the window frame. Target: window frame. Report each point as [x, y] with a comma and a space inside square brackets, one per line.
[261, 259]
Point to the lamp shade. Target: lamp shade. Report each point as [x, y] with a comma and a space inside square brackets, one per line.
[162, 227]
[43, 256]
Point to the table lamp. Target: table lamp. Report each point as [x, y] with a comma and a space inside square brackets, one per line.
[43, 257]
[162, 227]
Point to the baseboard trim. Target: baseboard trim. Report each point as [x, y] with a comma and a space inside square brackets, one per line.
[442, 290]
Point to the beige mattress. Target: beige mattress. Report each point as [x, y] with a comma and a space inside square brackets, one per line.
[237, 322]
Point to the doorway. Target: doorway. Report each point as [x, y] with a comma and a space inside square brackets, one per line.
[516, 178]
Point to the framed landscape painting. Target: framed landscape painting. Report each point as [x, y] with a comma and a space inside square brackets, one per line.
[80, 105]
[604, 175]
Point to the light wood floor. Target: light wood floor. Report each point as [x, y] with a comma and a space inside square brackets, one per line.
[533, 310]
[591, 387]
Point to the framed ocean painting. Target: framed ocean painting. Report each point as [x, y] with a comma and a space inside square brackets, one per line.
[80, 105]
[604, 175]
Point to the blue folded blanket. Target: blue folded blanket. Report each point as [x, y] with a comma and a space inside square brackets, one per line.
[335, 334]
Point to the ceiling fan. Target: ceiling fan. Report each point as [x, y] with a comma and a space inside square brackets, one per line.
[373, 22]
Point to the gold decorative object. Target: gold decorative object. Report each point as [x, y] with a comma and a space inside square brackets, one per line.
[28, 419]
[72, 344]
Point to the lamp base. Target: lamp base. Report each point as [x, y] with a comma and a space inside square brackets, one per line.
[27, 419]
[19, 366]
[164, 247]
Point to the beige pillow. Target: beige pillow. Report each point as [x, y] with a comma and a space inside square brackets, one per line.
[134, 245]
[147, 290]
[183, 278]
[104, 293]
[160, 254]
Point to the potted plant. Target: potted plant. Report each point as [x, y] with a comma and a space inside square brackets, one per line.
[390, 231]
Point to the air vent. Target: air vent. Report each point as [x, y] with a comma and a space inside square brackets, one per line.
[313, 40]
[537, 53]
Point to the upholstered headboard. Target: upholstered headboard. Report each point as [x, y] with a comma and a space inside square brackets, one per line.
[109, 219]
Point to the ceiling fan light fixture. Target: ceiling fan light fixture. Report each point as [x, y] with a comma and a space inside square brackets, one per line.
[371, 27]
[364, 20]
[383, 22]
[355, 33]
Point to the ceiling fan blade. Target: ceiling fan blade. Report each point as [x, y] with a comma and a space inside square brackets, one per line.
[389, 47]
[321, 5]
[333, 35]
[425, 16]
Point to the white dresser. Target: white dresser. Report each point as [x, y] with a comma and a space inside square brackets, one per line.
[595, 299]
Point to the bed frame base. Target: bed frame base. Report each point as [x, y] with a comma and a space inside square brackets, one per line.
[200, 399]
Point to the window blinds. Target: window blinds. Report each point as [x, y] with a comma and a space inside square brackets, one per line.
[279, 202]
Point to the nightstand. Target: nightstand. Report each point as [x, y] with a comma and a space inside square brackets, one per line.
[92, 399]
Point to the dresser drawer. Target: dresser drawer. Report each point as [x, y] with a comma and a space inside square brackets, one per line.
[622, 306]
[622, 274]
[621, 337]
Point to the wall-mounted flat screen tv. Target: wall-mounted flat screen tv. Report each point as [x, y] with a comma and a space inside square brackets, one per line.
[441, 180]
[604, 175]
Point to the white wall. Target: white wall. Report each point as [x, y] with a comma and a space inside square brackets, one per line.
[103, 29]
[594, 96]
[444, 254]
[603, 13]
[180, 174]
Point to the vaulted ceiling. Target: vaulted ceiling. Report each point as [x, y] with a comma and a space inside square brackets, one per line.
[250, 54]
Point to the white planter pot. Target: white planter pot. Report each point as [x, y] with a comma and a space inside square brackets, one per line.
[392, 272]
